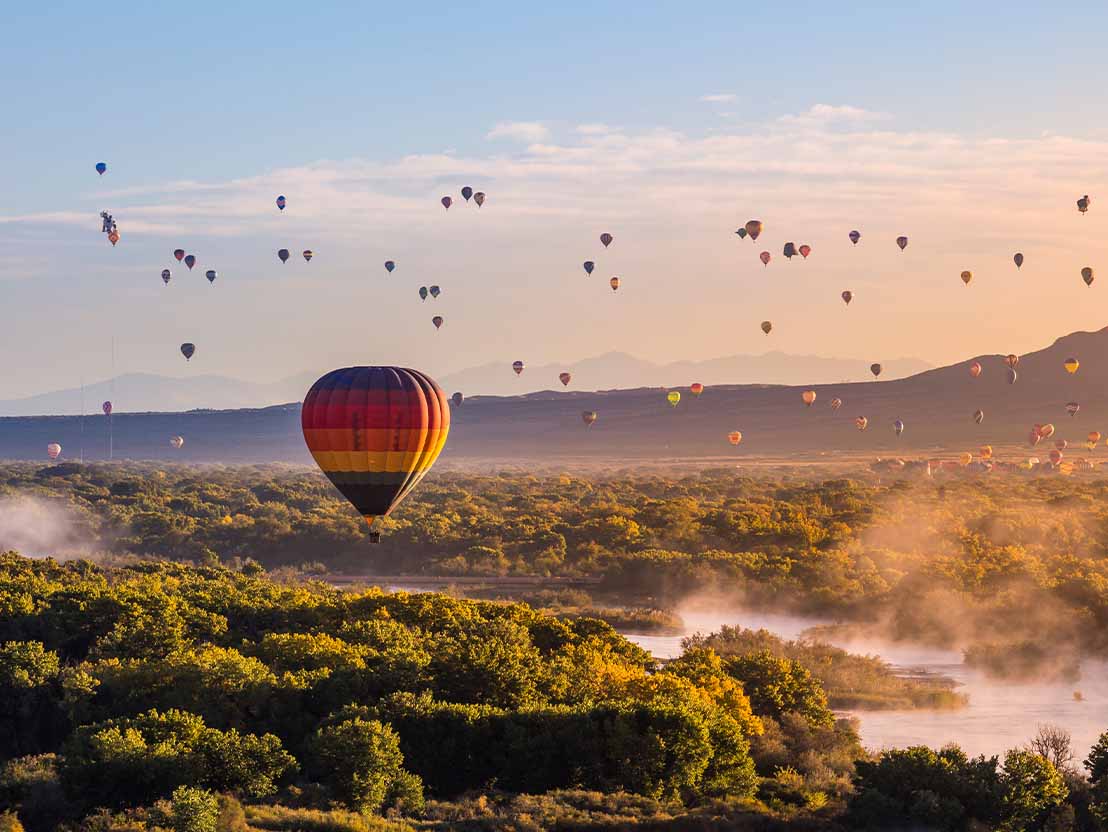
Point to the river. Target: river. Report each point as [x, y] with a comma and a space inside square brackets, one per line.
[999, 715]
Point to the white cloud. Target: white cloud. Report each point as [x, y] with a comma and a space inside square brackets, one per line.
[823, 114]
[526, 131]
[596, 129]
[718, 98]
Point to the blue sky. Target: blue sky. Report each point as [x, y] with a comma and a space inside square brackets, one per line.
[204, 113]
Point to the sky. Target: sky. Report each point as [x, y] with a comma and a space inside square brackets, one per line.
[971, 131]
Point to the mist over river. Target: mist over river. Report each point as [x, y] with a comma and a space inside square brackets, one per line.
[1000, 715]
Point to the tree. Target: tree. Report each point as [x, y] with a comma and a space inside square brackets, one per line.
[360, 761]
[1030, 787]
[779, 685]
[194, 810]
[1054, 744]
[1097, 761]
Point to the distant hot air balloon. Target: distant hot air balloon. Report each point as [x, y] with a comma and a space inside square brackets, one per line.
[673, 397]
[979, 416]
[179, 253]
[283, 255]
[1012, 360]
[1087, 275]
[107, 408]
[965, 458]
[1034, 438]
[836, 403]
[437, 321]
[53, 450]
[754, 229]
[517, 366]
[808, 397]
[855, 236]
[606, 239]
[898, 427]
[860, 422]
[281, 202]
[847, 297]
[1083, 204]
[177, 441]
[805, 250]
[975, 369]
[389, 266]
[742, 233]
[211, 275]
[101, 167]
[375, 432]
[789, 250]
[614, 283]
[735, 437]
[1061, 444]
[875, 369]
[446, 202]
[113, 236]
[767, 326]
[1071, 365]
[166, 276]
[589, 266]
[1092, 438]
[588, 417]
[457, 398]
[1012, 375]
[985, 451]
[765, 257]
[423, 293]
[967, 276]
[1046, 431]
[1055, 456]
[565, 379]
[308, 254]
[435, 291]
[479, 198]
[1018, 258]
[190, 261]
[902, 242]
[696, 388]
[187, 350]
[1072, 408]
[467, 192]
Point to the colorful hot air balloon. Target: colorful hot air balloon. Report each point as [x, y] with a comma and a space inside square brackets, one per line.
[435, 291]
[1071, 365]
[187, 350]
[967, 276]
[673, 397]
[190, 260]
[177, 441]
[1092, 438]
[53, 450]
[1012, 375]
[457, 399]
[1012, 360]
[101, 167]
[565, 379]
[423, 293]
[281, 202]
[389, 266]
[696, 388]
[902, 242]
[1018, 258]
[446, 202]
[211, 275]
[308, 254]
[1061, 444]
[179, 253]
[875, 369]
[1087, 275]
[742, 233]
[836, 403]
[479, 198]
[860, 422]
[614, 283]
[765, 257]
[965, 458]
[166, 276]
[975, 369]
[606, 239]
[985, 451]
[898, 427]
[805, 250]
[467, 192]
[1072, 408]
[437, 321]
[979, 416]
[107, 408]
[735, 437]
[375, 432]
[1083, 204]
[113, 236]
[855, 236]
[847, 297]
[767, 326]
[588, 417]
[808, 397]
[589, 266]
[1046, 431]
[517, 366]
[1055, 456]
[754, 229]
[789, 250]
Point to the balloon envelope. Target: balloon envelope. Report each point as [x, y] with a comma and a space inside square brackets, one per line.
[854, 236]
[860, 422]
[435, 291]
[967, 276]
[211, 275]
[1072, 408]
[673, 397]
[742, 233]
[565, 379]
[423, 293]
[975, 369]
[606, 239]
[805, 250]
[754, 228]
[283, 255]
[847, 297]
[1071, 365]
[437, 321]
[446, 202]
[1087, 275]
[479, 198]
[1012, 375]
[281, 202]
[177, 441]
[517, 366]
[898, 427]
[1018, 259]
[179, 253]
[53, 450]
[190, 261]
[614, 283]
[588, 417]
[589, 266]
[902, 242]
[187, 350]
[875, 369]
[467, 192]
[836, 403]
[457, 399]
[979, 416]
[308, 254]
[766, 327]
[696, 388]
[107, 408]
[808, 397]
[389, 266]
[101, 167]
[765, 257]
[735, 437]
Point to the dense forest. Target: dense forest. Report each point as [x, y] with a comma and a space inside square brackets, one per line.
[159, 695]
[1012, 568]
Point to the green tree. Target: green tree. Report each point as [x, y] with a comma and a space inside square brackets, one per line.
[1097, 761]
[194, 810]
[360, 761]
[1031, 787]
[777, 686]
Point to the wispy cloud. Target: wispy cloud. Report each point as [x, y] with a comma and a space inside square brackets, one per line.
[718, 98]
[524, 131]
[823, 114]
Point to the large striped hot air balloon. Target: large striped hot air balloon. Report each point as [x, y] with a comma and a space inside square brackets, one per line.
[375, 432]
[53, 450]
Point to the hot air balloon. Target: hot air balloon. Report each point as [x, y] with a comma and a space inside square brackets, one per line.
[479, 198]
[1018, 258]
[1072, 408]
[53, 450]
[1034, 438]
[742, 233]
[902, 242]
[211, 275]
[985, 451]
[389, 266]
[965, 458]
[423, 293]
[1071, 365]
[517, 366]
[435, 291]
[1012, 360]
[805, 250]
[187, 350]
[898, 427]
[808, 397]
[847, 297]
[696, 388]
[281, 202]
[457, 398]
[673, 397]
[467, 192]
[101, 167]
[1061, 444]
[836, 403]
[190, 260]
[179, 253]
[753, 229]
[1092, 438]
[308, 254]
[565, 379]
[606, 239]
[283, 255]
[166, 276]
[589, 266]
[766, 327]
[765, 257]
[375, 432]
[1087, 275]
[875, 369]
[588, 417]
[107, 408]
[967, 276]
[1083, 204]
[975, 369]
[1046, 431]
[789, 250]
[735, 437]
[1012, 375]
[446, 202]
[437, 321]
[614, 283]
[113, 236]
[979, 416]
[177, 441]
[860, 422]
[855, 236]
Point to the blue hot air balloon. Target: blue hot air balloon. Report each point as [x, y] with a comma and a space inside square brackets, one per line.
[281, 202]
[101, 167]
